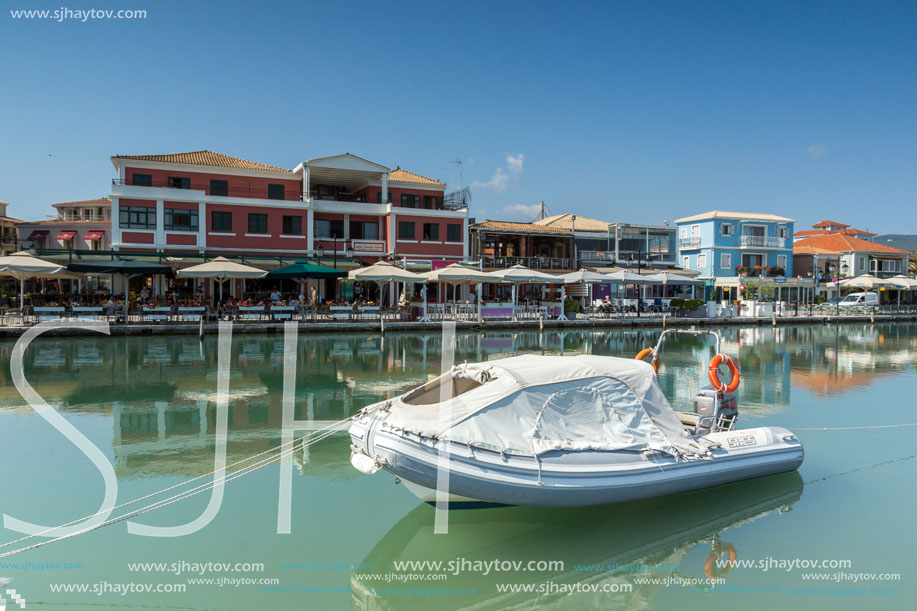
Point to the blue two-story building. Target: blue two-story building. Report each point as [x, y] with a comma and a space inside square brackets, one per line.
[735, 244]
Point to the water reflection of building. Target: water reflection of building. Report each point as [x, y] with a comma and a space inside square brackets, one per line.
[160, 391]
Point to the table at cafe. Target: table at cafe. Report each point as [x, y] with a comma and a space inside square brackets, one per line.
[339, 312]
[251, 312]
[280, 312]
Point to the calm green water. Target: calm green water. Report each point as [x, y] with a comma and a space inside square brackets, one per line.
[148, 405]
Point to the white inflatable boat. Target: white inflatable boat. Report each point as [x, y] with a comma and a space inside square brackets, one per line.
[564, 431]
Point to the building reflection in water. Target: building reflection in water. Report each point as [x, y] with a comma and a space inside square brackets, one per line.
[160, 391]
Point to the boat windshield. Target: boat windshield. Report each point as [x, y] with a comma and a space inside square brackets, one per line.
[432, 392]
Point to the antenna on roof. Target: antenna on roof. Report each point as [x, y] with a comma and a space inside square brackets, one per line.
[543, 212]
[457, 199]
[458, 162]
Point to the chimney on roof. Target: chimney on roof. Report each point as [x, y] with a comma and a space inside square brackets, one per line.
[3, 206]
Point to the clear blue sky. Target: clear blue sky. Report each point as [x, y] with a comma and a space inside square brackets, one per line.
[638, 112]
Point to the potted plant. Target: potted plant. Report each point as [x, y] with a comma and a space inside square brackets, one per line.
[741, 270]
[571, 307]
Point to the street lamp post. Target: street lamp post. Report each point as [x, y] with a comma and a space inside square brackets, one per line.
[320, 252]
[639, 262]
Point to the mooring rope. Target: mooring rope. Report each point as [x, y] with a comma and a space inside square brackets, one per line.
[856, 428]
[304, 442]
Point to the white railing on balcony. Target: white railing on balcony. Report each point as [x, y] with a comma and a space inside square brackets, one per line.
[689, 243]
[754, 241]
[596, 255]
[530, 262]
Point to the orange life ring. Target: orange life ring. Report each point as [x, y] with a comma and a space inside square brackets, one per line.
[710, 568]
[648, 352]
[714, 374]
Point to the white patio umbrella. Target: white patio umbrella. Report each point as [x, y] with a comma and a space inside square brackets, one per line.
[22, 265]
[220, 269]
[902, 283]
[583, 276]
[629, 277]
[671, 278]
[382, 272]
[520, 274]
[866, 281]
[587, 276]
[456, 275]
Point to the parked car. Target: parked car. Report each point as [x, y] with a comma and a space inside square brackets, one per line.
[829, 302]
[860, 299]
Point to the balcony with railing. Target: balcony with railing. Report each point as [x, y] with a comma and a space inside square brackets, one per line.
[230, 191]
[689, 243]
[755, 241]
[626, 256]
[605, 256]
[558, 263]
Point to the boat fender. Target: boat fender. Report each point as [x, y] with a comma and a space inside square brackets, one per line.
[716, 552]
[363, 463]
[649, 352]
[714, 374]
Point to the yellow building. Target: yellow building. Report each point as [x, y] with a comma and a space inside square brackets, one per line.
[7, 232]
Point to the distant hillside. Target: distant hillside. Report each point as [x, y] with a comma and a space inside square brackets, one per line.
[897, 240]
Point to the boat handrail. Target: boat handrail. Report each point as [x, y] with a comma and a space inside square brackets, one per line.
[689, 331]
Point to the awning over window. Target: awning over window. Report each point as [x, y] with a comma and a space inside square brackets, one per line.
[94, 236]
[38, 234]
[65, 235]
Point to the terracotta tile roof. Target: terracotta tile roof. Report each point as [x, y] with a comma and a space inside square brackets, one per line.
[208, 158]
[848, 231]
[64, 222]
[9, 219]
[520, 227]
[826, 224]
[102, 201]
[719, 214]
[837, 242]
[855, 232]
[812, 250]
[565, 221]
[399, 175]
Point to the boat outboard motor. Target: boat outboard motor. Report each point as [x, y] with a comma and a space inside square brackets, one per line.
[706, 402]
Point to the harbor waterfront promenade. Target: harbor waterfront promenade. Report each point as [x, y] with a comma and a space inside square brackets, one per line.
[383, 327]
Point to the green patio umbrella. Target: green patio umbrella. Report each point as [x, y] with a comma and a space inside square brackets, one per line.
[304, 269]
[124, 267]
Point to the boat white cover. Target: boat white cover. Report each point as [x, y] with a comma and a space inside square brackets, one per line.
[535, 404]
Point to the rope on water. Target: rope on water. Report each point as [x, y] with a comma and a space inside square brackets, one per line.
[305, 442]
[856, 428]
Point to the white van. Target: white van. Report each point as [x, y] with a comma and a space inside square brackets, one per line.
[859, 299]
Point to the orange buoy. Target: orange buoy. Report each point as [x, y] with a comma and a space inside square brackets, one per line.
[648, 352]
[714, 373]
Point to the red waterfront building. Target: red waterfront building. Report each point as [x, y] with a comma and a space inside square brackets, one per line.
[206, 202]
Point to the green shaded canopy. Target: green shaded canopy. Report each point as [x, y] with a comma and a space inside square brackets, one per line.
[119, 266]
[304, 269]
